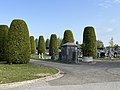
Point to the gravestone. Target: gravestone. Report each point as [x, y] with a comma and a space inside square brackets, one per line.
[69, 53]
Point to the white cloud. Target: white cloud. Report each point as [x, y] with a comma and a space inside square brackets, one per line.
[117, 1]
[109, 29]
[108, 3]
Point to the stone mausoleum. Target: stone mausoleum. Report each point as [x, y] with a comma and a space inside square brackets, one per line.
[69, 52]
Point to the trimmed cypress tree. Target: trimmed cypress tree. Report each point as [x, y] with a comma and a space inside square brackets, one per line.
[41, 45]
[18, 43]
[32, 43]
[53, 44]
[36, 43]
[89, 42]
[3, 38]
[47, 43]
[68, 37]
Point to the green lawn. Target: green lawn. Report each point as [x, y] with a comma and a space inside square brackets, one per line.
[45, 58]
[22, 72]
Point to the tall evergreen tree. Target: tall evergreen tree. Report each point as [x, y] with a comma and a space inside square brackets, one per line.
[18, 43]
[53, 45]
[36, 43]
[3, 38]
[68, 37]
[89, 42]
[47, 43]
[32, 43]
[41, 45]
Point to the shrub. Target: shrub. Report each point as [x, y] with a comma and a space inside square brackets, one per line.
[41, 45]
[89, 42]
[3, 37]
[53, 45]
[18, 43]
[32, 43]
[68, 37]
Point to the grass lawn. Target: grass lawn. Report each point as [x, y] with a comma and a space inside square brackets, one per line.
[45, 58]
[22, 72]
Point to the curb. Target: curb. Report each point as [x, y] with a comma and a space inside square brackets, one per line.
[47, 78]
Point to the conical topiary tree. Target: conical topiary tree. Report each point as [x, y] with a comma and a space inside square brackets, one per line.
[53, 45]
[36, 43]
[18, 43]
[41, 45]
[89, 42]
[3, 37]
[47, 43]
[68, 37]
[33, 46]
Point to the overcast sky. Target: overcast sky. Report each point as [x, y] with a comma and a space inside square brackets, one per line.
[45, 17]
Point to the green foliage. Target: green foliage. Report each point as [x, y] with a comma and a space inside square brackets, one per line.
[77, 42]
[111, 42]
[32, 43]
[41, 45]
[59, 42]
[68, 37]
[47, 43]
[18, 43]
[116, 46]
[36, 43]
[3, 38]
[100, 44]
[53, 44]
[89, 42]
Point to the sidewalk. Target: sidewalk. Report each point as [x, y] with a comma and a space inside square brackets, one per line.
[92, 86]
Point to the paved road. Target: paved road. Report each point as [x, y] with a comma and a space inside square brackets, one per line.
[100, 75]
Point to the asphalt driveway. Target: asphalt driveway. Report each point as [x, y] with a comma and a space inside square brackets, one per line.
[99, 75]
[83, 73]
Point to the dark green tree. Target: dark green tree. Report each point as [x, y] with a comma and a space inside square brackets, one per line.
[18, 43]
[33, 46]
[3, 38]
[68, 37]
[36, 43]
[89, 42]
[47, 43]
[77, 42]
[59, 42]
[53, 45]
[41, 45]
[100, 44]
[116, 47]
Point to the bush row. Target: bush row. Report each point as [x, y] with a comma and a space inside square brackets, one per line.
[16, 45]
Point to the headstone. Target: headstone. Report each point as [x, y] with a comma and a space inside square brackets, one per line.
[109, 55]
[42, 55]
[39, 56]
